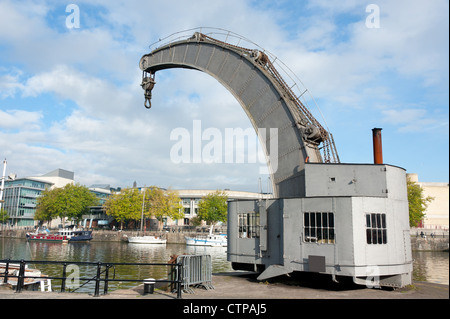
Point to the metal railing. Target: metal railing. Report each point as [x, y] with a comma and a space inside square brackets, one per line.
[102, 274]
[197, 271]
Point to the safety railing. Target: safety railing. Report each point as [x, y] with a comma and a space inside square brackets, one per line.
[196, 271]
[102, 274]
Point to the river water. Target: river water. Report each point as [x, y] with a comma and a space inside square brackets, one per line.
[428, 266]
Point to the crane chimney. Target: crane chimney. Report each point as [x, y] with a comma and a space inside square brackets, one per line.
[377, 147]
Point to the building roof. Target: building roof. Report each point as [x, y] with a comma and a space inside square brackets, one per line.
[60, 173]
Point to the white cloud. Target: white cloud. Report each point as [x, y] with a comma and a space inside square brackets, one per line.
[10, 84]
[20, 120]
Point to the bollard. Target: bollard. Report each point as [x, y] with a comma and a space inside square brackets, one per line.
[149, 286]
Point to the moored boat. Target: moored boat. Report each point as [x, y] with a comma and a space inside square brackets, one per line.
[146, 240]
[209, 240]
[33, 280]
[64, 235]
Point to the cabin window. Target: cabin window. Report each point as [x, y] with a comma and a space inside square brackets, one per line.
[318, 228]
[248, 224]
[376, 232]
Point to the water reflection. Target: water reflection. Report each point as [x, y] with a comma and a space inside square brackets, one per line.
[432, 266]
[107, 252]
[428, 266]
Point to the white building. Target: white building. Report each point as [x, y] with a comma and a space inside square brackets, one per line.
[437, 212]
[191, 197]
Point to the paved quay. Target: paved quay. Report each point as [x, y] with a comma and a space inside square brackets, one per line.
[245, 286]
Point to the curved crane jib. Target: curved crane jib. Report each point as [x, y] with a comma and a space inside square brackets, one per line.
[268, 101]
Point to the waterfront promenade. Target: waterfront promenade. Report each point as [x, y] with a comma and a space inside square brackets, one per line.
[245, 286]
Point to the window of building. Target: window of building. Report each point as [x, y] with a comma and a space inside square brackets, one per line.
[248, 224]
[319, 228]
[376, 228]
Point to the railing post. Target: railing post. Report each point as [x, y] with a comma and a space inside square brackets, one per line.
[105, 288]
[179, 279]
[5, 280]
[97, 280]
[20, 278]
[63, 284]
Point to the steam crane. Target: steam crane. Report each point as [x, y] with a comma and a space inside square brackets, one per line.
[341, 219]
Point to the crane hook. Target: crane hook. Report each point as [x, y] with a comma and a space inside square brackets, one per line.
[148, 82]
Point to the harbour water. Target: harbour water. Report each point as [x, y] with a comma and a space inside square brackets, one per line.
[106, 252]
[428, 266]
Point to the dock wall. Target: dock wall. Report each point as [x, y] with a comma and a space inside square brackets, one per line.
[417, 243]
[108, 235]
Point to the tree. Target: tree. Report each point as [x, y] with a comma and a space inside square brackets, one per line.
[3, 216]
[161, 204]
[213, 207]
[126, 205]
[70, 201]
[417, 202]
[46, 206]
[76, 201]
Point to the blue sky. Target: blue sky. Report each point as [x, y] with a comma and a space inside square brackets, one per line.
[70, 97]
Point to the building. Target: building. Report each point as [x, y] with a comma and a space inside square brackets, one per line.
[437, 212]
[191, 197]
[20, 199]
[97, 216]
[20, 195]
[189, 200]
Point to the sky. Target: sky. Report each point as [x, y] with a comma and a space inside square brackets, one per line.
[70, 94]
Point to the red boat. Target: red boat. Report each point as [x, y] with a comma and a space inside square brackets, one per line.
[61, 236]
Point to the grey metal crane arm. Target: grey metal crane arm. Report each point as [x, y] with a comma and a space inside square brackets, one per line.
[265, 97]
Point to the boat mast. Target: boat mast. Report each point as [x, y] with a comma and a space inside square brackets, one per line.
[3, 183]
[142, 211]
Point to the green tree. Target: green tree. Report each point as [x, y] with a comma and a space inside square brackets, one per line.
[77, 200]
[125, 205]
[213, 207]
[162, 204]
[70, 201]
[3, 216]
[417, 202]
[46, 206]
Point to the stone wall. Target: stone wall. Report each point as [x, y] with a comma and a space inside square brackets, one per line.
[417, 243]
[429, 244]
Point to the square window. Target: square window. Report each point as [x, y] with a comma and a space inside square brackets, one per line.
[318, 228]
[376, 232]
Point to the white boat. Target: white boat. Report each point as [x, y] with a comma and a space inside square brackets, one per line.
[146, 240]
[214, 240]
[32, 284]
[209, 240]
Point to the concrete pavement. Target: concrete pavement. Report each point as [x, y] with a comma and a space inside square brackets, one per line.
[245, 286]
